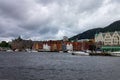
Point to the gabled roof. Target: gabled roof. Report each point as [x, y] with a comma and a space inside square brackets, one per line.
[96, 35]
[111, 33]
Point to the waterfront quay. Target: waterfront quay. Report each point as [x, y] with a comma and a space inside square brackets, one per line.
[57, 66]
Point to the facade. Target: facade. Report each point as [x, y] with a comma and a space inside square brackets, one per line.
[59, 45]
[21, 44]
[37, 45]
[108, 41]
[53, 46]
[108, 38]
[99, 37]
[48, 45]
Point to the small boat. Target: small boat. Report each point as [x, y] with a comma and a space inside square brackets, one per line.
[70, 52]
[9, 50]
[34, 51]
[60, 51]
[16, 50]
[80, 53]
[116, 53]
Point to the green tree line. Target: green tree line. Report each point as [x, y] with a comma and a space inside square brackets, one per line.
[5, 44]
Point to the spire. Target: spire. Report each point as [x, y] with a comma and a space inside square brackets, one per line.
[19, 38]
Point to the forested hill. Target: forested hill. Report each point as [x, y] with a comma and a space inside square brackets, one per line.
[89, 34]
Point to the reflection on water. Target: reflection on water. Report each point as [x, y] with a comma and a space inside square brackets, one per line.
[57, 66]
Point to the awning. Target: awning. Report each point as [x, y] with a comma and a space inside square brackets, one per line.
[115, 48]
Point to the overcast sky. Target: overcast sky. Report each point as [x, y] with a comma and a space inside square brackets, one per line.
[53, 19]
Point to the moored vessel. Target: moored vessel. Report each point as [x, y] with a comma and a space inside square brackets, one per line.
[81, 53]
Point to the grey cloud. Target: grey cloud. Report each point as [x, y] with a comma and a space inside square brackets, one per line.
[90, 5]
[118, 1]
[47, 30]
[52, 19]
[77, 5]
[1, 31]
[13, 9]
[46, 2]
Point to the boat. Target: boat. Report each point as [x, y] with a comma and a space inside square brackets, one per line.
[9, 50]
[17, 50]
[70, 52]
[34, 51]
[60, 51]
[81, 53]
[116, 53]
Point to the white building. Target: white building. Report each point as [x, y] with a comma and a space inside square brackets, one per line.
[108, 38]
[99, 37]
[69, 47]
[46, 47]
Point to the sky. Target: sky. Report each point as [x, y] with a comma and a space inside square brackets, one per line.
[53, 19]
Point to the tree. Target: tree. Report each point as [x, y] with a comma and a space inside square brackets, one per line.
[4, 44]
[92, 47]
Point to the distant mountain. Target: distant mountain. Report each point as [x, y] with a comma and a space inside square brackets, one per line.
[89, 34]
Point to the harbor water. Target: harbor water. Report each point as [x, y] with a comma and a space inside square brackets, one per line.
[57, 66]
